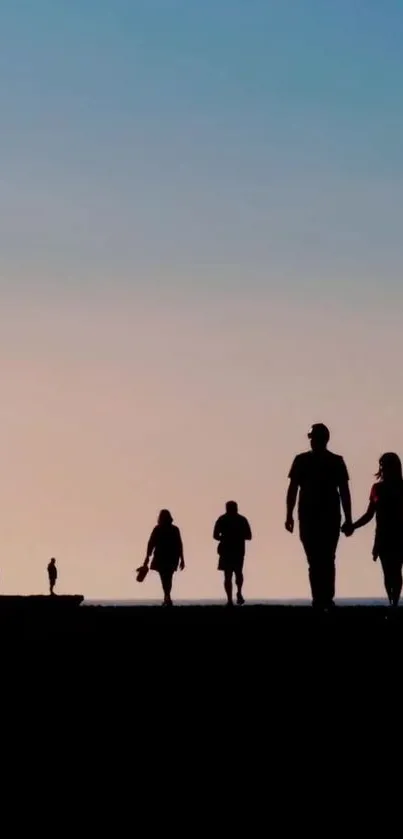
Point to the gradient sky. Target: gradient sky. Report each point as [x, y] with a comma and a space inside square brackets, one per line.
[200, 254]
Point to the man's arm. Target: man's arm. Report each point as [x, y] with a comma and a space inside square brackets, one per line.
[248, 531]
[217, 530]
[291, 501]
[292, 492]
[180, 546]
[344, 491]
[345, 499]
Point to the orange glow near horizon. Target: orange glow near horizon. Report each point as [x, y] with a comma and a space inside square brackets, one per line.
[110, 413]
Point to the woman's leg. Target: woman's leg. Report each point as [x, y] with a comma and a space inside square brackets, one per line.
[386, 581]
[391, 574]
[166, 582]
[397, 581]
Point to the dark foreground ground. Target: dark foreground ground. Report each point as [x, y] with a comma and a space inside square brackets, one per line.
[259, 677]
[72, 614]
[257, 639]
[69, 617]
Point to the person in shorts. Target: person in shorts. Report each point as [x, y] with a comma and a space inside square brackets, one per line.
[232, 531]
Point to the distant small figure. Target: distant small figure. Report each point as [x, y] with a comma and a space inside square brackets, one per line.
[52, 574]
[166, 548]
[320, 480]
[231, 531]
[386, 504]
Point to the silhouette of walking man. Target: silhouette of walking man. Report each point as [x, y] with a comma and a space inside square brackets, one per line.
[321, 480]
[52, 574]
[231, 531]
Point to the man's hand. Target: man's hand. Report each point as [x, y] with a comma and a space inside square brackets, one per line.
[181, 564]
[289, 525]
[347, 528]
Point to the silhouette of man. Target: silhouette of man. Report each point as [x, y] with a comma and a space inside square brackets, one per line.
[231, 531]
[321, 479]
[52, 574]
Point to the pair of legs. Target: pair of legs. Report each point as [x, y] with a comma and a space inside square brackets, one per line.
[320, 546]
[166, 577]
[392, 574]
[233, 569]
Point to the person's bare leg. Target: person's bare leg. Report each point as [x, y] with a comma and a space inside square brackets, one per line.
[239, 583]
[396, 586]
[310, 547]
[228, 586]
[387, 576]
[166, 582]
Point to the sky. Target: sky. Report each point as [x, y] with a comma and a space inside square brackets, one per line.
[200, 255]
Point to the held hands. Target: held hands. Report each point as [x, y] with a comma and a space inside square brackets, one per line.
[347, 528]
[289, 525]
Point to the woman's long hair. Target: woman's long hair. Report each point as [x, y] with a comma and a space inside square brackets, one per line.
[390, 468]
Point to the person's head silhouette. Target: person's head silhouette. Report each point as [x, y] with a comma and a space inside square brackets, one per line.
[165, 517]
[390, 467]
[319, 436]
[231, 508]
[52, 561]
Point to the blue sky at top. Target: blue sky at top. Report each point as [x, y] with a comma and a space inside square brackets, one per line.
[165, 136]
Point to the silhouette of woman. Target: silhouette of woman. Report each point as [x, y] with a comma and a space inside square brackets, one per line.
[166, 548]
[386, 504]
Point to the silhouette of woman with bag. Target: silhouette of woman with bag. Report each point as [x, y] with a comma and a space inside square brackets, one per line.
[386, 504]
[166, 549]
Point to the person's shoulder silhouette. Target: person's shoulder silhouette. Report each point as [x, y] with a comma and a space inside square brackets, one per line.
[318, 464]
[312, 467]
[376, 491]
[232, 524]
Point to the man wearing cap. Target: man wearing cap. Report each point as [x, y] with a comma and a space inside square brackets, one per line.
[320, 480]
